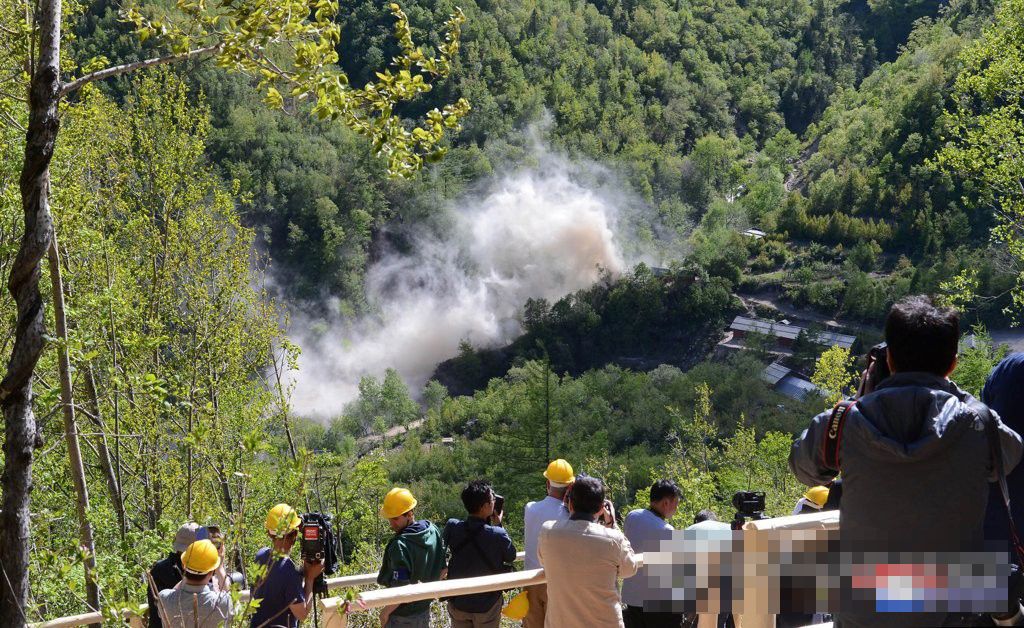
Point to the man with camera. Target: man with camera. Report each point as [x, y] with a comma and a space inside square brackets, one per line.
[192, 603]
[479, 546]
[166, 573]
[416, 553]
[285, 593]
[558, 477]
[646, 528]
[916, 454]
[583, 559]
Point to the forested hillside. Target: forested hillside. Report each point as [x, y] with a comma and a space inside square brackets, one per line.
[224, 230]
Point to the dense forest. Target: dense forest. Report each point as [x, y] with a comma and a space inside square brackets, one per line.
[220, 214]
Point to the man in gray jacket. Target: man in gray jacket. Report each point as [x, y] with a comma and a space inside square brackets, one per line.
[913, 453]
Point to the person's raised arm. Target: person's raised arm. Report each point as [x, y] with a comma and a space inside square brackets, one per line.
[310, 572]
[629, 562]
[805, 457]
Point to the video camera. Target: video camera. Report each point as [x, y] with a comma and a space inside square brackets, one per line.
[318, 543]
[749, 506]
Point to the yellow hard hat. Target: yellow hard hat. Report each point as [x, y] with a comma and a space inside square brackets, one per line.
[560, 472]
[397, 502]
[817, 495]
[517, 607]
[200, 558]
[281, 520]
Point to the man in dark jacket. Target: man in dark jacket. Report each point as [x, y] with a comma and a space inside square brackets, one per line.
[913, 453]
[1004, 393]
[166, 573]
[477, 549]
[416, 553]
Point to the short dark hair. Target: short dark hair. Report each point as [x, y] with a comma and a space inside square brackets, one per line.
[922, 336]
[664, 488]
[476, 495]
[705, 515]
[587, 495]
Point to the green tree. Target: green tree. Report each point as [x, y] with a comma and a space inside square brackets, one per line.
[834, 373]
[978, 356]
[986, 128]
[248, 37]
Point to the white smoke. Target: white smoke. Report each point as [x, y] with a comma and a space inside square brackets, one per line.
[536, 232]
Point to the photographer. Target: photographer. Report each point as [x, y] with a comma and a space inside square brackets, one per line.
[646, 528]
[584, 559]
[479, 547]
[913, 452]
[193, 603]
[285, 593]
[166, 573]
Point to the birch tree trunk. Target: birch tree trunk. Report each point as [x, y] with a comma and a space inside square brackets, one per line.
[21, 437]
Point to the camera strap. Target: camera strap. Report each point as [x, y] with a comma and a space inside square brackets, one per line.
[996, 452]
[834, 434]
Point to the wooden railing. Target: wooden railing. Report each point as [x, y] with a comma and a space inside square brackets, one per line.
[335, 610]
[137, 621]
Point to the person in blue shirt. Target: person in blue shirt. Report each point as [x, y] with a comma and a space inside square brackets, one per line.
[479, 547]
[285, 593]
[645, 528]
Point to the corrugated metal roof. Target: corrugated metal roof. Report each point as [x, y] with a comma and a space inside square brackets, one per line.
[829, 338]
[795, 388]
[773, 373]
[742, 323]
[790, 332]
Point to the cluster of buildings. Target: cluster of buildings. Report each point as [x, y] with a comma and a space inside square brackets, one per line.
[784, 335]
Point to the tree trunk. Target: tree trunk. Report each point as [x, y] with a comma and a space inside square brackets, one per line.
[106, 461]
[92, 594]
[21, 437]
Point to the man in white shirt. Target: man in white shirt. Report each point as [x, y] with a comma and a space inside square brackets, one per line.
[558, 476]
[646, 528]
[583, 560]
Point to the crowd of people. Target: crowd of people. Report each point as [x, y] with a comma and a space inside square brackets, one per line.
[912, 462]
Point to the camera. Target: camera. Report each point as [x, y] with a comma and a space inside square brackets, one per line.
[213, 533]
[749, 506]
[318, 543]
[609, 513]
[877, 368]
[499, 504]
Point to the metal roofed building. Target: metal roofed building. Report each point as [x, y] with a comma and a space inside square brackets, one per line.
[773, 373]
[785, 334]
[796, 387]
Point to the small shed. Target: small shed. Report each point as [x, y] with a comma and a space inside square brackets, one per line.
[774, 372]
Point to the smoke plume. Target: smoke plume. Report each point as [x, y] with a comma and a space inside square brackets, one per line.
[542, 231]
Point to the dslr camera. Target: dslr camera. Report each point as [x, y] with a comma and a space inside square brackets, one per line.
[749, 506]
[317, 542]
[877, 369]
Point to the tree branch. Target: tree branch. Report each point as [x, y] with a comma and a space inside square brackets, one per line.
[117, 70]
[10, 120]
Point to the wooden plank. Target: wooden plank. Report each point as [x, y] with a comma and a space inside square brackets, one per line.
[447, 588]
[74, 620]
[444, 588]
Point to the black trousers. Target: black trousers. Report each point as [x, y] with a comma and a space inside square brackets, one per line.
[635, 617]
